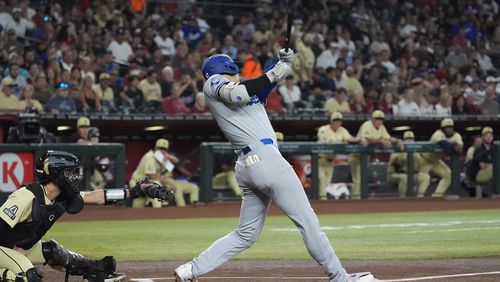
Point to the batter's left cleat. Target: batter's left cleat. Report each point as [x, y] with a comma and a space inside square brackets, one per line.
[363, 277]
[184, 273]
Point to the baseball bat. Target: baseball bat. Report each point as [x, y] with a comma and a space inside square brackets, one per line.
[291, 13]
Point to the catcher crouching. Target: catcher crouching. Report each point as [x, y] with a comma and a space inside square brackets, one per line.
[31, 211]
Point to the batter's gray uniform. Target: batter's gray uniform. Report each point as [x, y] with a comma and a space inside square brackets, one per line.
[263, 175]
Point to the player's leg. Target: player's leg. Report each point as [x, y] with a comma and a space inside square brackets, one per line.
[443, 171]
[287, 192]
[423, 180]
[16, 267]
[355, 164]
[425, 168]
[233, 183]
[325, 171]
[401, 180]
[252, 216]
[185, 187]
[58, 257]
[485, 175]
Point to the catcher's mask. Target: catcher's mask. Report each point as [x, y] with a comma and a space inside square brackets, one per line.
[64, 170]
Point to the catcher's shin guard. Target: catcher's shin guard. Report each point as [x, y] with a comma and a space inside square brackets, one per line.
[57, 256]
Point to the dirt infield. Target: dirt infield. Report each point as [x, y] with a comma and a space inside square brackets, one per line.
[304, 270]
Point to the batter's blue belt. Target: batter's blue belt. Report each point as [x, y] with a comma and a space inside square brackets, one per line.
[265, 141]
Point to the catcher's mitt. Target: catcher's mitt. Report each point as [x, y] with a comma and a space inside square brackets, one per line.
[147, 188]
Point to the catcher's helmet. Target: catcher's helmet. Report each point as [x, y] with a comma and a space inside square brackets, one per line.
[64, 170]
[219, 64]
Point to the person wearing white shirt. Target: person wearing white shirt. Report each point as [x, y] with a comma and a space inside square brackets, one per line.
[164, 42]
[407, 106]
[19, 24]
[328, 58]
[484, 60]
[290, 92]
[443, 108]
[120, 48]
[5, 17]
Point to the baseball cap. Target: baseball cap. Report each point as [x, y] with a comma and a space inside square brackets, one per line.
[162, 144]
[447, 122]
[104, 75]
[83, 122]
[336, 116]
[279, 136]
[408, 135]
[63, 86]
[378, 114]
[486, 130]
[8, 81]
[16, 10]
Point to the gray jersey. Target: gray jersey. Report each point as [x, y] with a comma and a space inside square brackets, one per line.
[242, 124]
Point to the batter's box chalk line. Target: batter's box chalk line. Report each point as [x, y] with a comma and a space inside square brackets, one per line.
[242, 278]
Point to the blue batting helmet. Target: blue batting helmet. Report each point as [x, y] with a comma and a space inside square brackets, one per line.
[219, 64]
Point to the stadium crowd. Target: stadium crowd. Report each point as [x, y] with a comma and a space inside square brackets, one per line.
[408, 58]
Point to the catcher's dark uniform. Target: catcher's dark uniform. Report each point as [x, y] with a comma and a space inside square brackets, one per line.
[29, 213]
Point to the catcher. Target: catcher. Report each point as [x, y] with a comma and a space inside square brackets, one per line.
[31, 211]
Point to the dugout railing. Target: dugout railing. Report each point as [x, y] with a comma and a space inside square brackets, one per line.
[209, 149]
[84, 152]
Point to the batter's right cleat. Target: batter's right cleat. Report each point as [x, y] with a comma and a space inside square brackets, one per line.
[363, 277]
[184, 273]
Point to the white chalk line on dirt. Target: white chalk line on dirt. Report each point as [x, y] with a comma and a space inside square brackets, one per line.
[323, 278]
[445, 276]
[397, 225]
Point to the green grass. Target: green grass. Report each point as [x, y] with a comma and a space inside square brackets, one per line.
[428, 235]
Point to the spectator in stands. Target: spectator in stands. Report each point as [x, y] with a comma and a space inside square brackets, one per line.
[68, 59]
[61, 102]
[173, 104]
[450, 141]
[120, 48]
[151, 90]
[105, 92]
[274, 103]
[443, 107]
[28, 100]
[292, 96]
[456, 57]
[229, 48]
[329, 57]
[338, 103]
[483, 157]
[353, 83]
[14, 72]
[484, 61]
[407, 105]
[358, 104]
[8, 101]
[19, 24]
[5, 17]
[88, 97]
[388, 104]
[245, 27]
[133, 97]
[306, 57]
[426, 107]
[167, 81]
[191, 31]
[251, 66]
[42, 89]
[88, 68]
[458, 107]
[165, 42]
[379, 44]
[489, 105]
[470, 102]
[200, 105]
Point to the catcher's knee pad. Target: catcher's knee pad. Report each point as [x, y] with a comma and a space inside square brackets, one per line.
[31, 275]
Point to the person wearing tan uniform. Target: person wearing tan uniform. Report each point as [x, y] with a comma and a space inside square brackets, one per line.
[8, 101]
[333, 132]
[338, 103]
[432, 162]
[30, 212]
[371, 131]
[397, 169]
[157, 165]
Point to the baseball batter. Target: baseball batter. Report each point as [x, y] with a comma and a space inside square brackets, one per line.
[262, 173]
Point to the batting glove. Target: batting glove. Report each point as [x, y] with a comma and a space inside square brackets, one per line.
[280, 71]
[285, 56]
